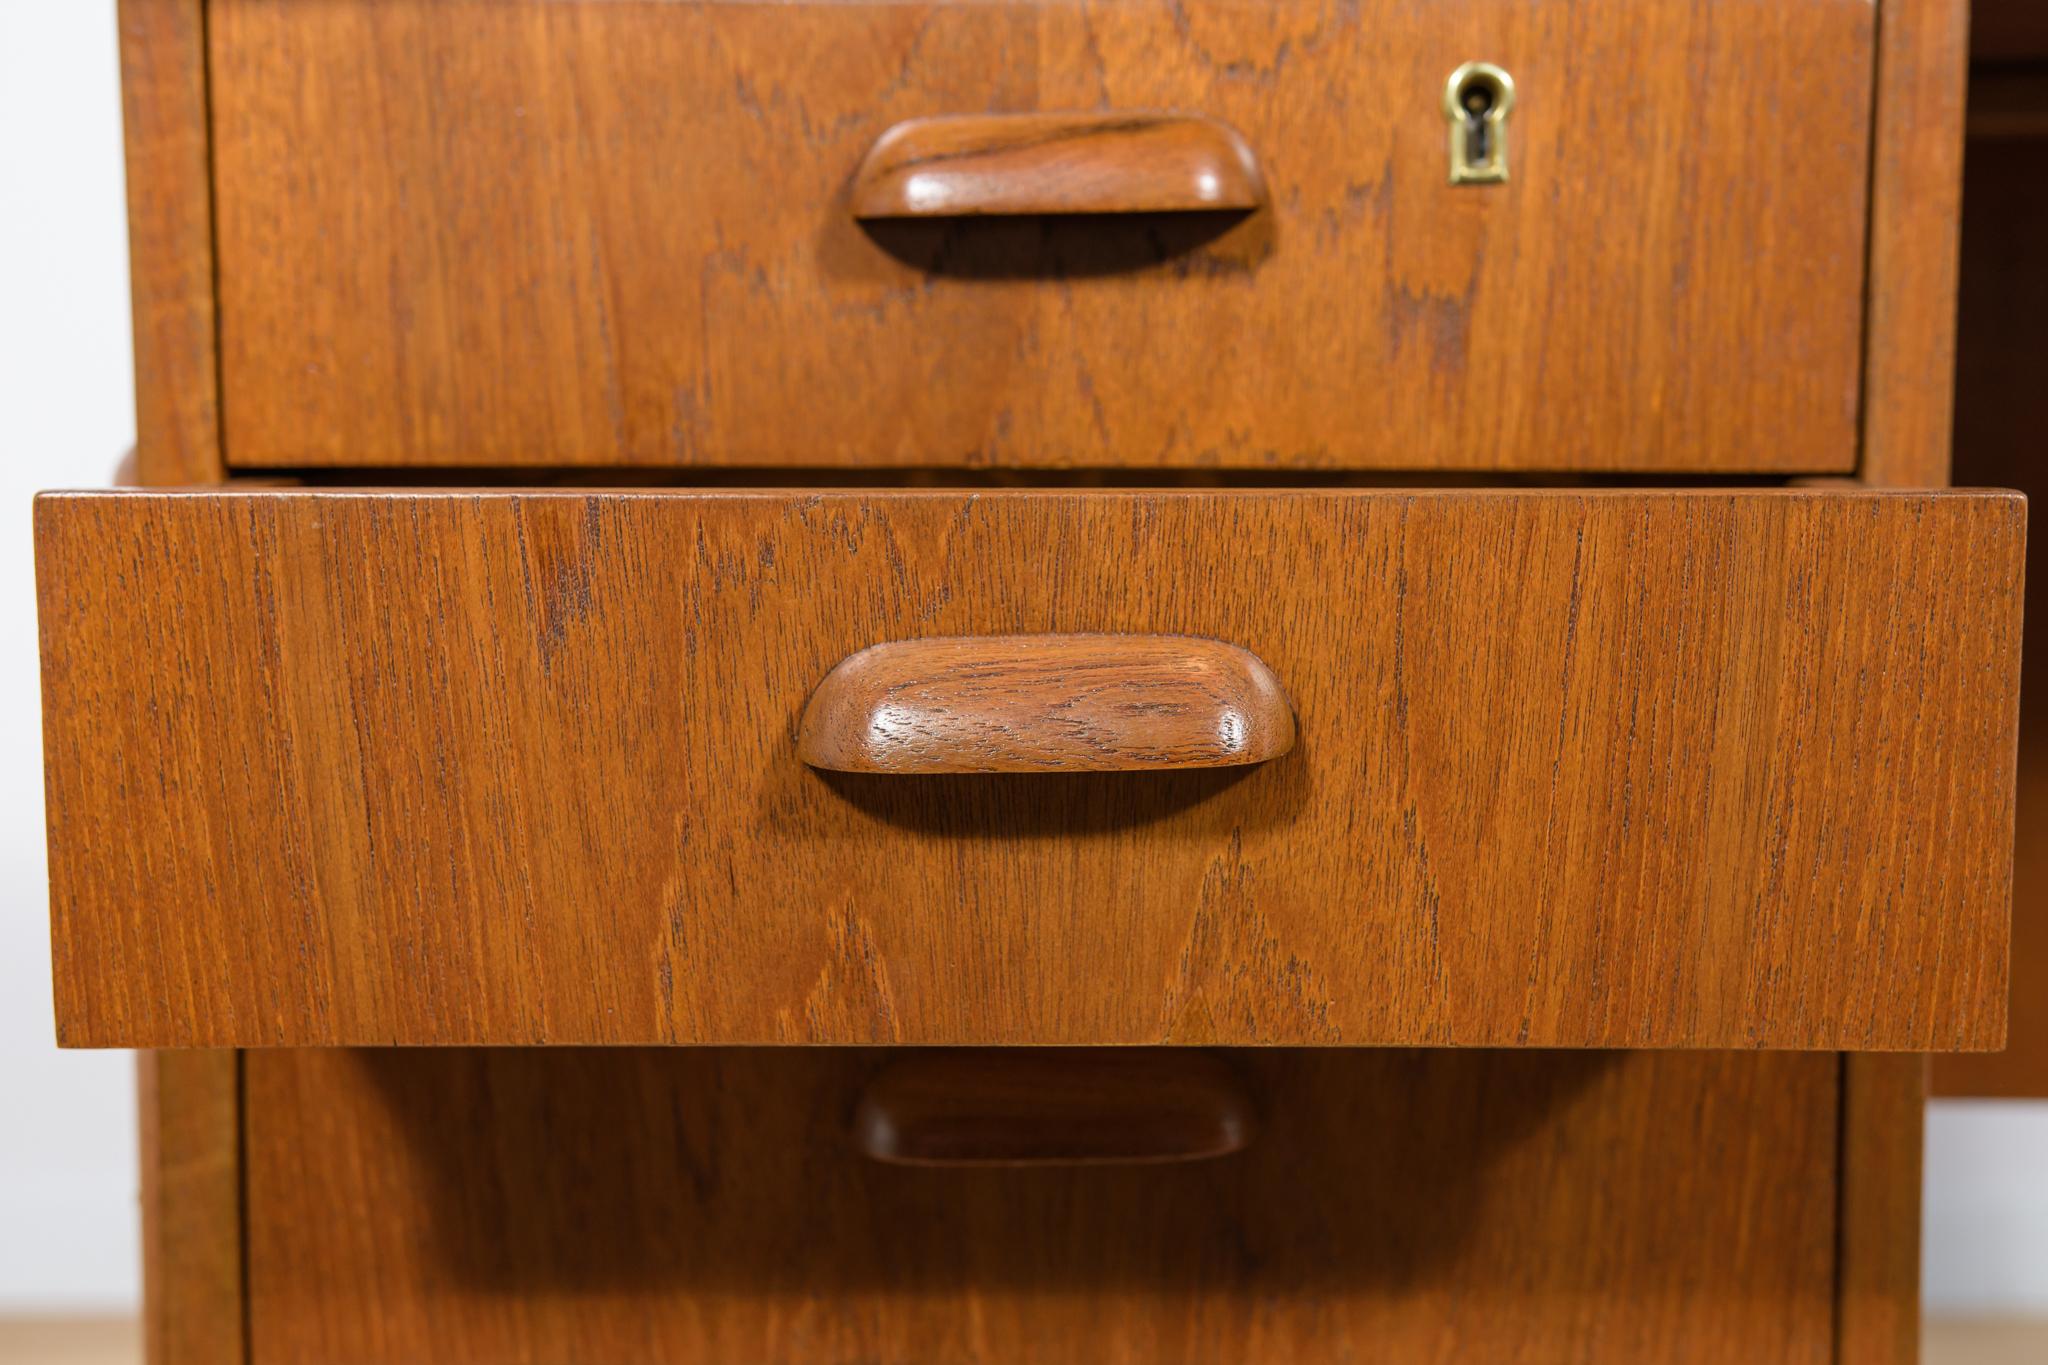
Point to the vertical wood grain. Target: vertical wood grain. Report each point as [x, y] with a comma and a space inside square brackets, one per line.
[1916, 193]
[190, 1107]
[170, 240]
[1909, 376]
[1878, 1277]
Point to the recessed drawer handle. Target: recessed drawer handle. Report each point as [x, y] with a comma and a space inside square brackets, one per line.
[1053, 1107]
[1046, 704]
[977, 164]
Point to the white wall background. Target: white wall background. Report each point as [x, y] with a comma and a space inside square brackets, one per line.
[68, 1238]
[1985, 1248]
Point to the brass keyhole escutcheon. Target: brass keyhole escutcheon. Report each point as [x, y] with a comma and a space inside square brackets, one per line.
[1477, 100]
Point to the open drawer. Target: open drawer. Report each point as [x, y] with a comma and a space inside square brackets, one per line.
[1560, 769]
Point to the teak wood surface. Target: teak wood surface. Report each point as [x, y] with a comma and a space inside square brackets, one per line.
[189, 1106]
[531, 233]
[1135, 161]
[1877, 1280]
[691, 1205]
[1580, 769]
[1046, 704]
[1915, 200]
[545, 1295]
[1907, 406]
[170, 240]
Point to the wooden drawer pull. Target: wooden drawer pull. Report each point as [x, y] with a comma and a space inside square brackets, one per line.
[968, 165]
[1050, 1107]
[1046, 703]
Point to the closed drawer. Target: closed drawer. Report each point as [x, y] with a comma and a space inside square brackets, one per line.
[514, 233]
[704, 1205]
[1568, 769]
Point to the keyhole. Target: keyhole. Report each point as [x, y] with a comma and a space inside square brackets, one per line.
[1477, 100]
[1478, 103]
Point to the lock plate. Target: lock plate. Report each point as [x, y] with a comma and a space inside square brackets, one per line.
[1478, 98]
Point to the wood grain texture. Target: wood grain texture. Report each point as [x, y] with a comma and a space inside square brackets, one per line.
[529, 233]
[1053, 1107]
[189, 1104]
[1610, 769]
[1046, 704]
[1908, 374]
[967, 165]
[702, 1205]
[1915, 202]
[1884, 1102]
[170, 240]
[2001, 412]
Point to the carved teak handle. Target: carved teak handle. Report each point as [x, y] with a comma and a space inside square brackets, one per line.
[1046, 703]
[967, 165]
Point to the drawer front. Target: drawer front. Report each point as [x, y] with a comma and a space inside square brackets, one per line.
[704, 1207]
[490, 234]
[1569, 769]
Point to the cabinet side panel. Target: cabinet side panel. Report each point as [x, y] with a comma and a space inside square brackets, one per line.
[189, 1102]
[1883, 1106]
[170, 240]
[1909, 366]
[190, 1105]
[1916, 195]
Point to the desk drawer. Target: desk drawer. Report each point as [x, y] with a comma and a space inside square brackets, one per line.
[1566, 769]
[704, 1207]
[531, 232]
